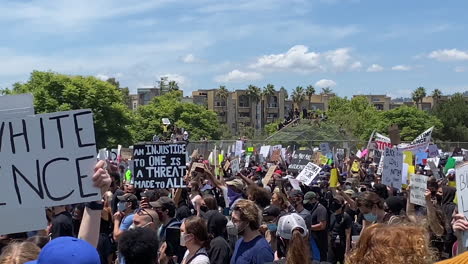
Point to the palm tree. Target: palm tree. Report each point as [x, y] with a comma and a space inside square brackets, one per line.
[172, 86]
[310, 90]
[418, 95]
[298, 96]
[254, 94]
[436, 94]
[283, 90]
[327, 90]
[269, 91]
[223, 93]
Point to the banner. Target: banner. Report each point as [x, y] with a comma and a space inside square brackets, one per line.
[309, 173]
[159, 165]
[392, 168]
[419, 143]
[382, 141]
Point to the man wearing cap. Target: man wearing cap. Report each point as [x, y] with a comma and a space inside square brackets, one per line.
[317, 223]
[296, 198]
[234, 191]
[123, 218]
[165, 208]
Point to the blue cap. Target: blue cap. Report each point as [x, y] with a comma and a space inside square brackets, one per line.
[68, 250]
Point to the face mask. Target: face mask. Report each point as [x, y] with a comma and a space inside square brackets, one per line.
[131, 227]
[272, 227]
[183, 239]
[370, 217]
[121, 206]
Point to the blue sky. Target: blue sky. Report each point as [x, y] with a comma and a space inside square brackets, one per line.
[352, 46]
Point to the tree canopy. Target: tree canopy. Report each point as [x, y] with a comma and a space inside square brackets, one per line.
[454, 116]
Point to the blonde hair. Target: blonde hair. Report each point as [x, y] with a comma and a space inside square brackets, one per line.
[389, 244]
[249, 212]
[19, 253]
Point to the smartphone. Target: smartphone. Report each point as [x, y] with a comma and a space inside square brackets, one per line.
[173, 241]
[226, 211]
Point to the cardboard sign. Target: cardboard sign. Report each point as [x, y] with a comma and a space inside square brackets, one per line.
[276, 155]
[418, 189]
[325, 148]
[300, 158]
[309, 173]
[227, 165]
[159, 165]
[267, 177]
[392, 168]
[421, 142]
[235, 166]
[48, 160]
[126, 153]
[265, 151]
[196, 165]
[238, 151]
[433, 151]
[461, 174]
[274, 148]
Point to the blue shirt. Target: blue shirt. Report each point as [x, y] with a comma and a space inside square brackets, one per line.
[126, 222]
[257, 251]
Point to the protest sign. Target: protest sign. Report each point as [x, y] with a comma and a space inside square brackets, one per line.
[274, 148]
[418, 189]
[265, 151]
[325, 148]
[48, 160]
[235, 166]
[420, 158]
[227, 165]
[276, 155]
[359, 154]
[247, 161]
[126, 153]
[15, 106]
[268, 175]
[382, 141]
[461, 173]
[404, 173]
[421, 142]
[381, 163]
[300, 158]
[392, 168]
[323, 160]
[433, 151]
[333, 182]
[408, 157]
[113, 155]
[451, 162]
[159, 165]
[309, 173]
[295, 184]
[238, 151]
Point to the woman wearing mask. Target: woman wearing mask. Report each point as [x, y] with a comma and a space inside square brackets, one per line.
[372, 208]
[194, 236]
[340, 231]
[292, 239]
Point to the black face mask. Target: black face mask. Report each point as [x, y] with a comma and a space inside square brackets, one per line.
[439, 198]
[310, 206]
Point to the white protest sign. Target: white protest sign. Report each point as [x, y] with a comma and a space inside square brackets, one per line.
[309, 173]
[461, 174]
[295, 184]
[247, 161]
[238, 151]
[235, 166]
[435, 161]
[48, 160]
[404, 173]
[392, 168]
[113, 154]
[15, 106]
[421, 142]
[418, 189]
[433, 151]
[381, 164]
[264, 151]
[382, 141]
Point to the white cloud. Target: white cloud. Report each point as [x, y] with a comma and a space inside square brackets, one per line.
[401, 68]
[238, 76]
[449, 55]
[300, 59]
[179, 79]
[189, 58]
[356, 66]
[102, 77]
[325, 83]
[375, 68]
[460, 69]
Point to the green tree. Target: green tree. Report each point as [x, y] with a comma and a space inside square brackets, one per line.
[418, 95]
[223, 93]
[310, 91]
[298, 96]
[125, 91]
[172, 86]
[453, 114]
[268, 92]
[285, 92]
[327, 90]
[195, 119]
[55, 92]
[254, 94]
[410, 120]
[436, 95]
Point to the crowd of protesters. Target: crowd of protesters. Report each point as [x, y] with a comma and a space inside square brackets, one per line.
[226, 217]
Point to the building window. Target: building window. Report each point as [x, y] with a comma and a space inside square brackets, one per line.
[273, 101]
[272, 115]
[375, 99]
[379, 106]
[244, 114]
[220, 103]
[222, 114]
[244, 101]
[134, 105]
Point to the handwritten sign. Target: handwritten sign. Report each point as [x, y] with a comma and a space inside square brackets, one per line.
[159, 165]
[382, 141]
[267, 177]
[309, 173]
[265, 151]
[276, 155]
[235, 166]
[461, 173]
[238, 149]
[418, 188]
[300, 158]
[48, 160]
[433, 151]
[392, 168]
[295, 184]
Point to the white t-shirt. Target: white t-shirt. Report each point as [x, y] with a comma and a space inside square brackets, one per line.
[199, 259]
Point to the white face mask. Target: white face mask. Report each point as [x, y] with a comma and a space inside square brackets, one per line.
[183, 238]
[121, 206]
[131, 227]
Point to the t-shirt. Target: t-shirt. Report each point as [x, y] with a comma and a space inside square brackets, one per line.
[256, 251]
[62, 225]
[127, 222]
[219, 252]
[201, 257]
[319, 214]
[338, 225]
[304, 213]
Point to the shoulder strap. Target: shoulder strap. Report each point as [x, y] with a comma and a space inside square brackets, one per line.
[196, 255]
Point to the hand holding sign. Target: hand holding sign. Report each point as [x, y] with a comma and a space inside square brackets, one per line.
[101, 178]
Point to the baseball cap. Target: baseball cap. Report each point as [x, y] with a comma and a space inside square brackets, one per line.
[349, 192]
[163, 202]
[236, 183]
[288, 223]
[128, 197]
[450, 171]
[272, 210]
[309, 196]
[295, 193]
[67, 250]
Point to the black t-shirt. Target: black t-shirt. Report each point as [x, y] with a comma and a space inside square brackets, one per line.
[338, 225]
[317, 215]
[62, 225]
[219, 252]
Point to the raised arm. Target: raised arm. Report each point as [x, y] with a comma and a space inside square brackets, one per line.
[433, 221]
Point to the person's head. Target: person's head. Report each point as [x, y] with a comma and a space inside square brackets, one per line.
[370, 205]
[19, 253]
[259, 195]
[210, 202]
[194, 232]
[292, 233]
[389, 244]
[39, 241]
[216, 223]
[147, 197]
[450, 174]
[270, 217]
[246, 216]
[115, 184]
[139, 246]
[129, 188]
[145, 218]
[338, 204]
[165, 208]
[64, 249]
[235, 185]
[127, 202]
[296, 198]
[381, 190]
[310, 200]
[394, 205]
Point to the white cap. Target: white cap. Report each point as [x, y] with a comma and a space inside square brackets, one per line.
[450, 171]
[288, 223]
